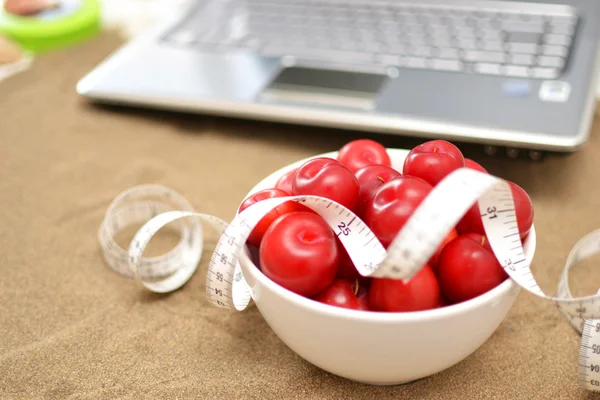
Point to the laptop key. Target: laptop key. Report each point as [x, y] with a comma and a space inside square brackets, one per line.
[562, 29]
[347, 45]
[442, 41]
[491, 34]
[374, 47]
[447, 53]
[467, 43]
[434, 20]
[398, 48]
[407, 19]
[420, 51]
[446, 65]
[416, 40]
[522, 59]
[318, 54]
[488, 68]
[531, 18]
[458, 21]
[552, 50]
[417, 62]
[523, 37]
[493, 46]
[484, 56]
[524, 27]
[563, 19]
[436, 30]
[488, 23]
[545, 73]
[516, 70]
[551, 61]
[466, 32]
[485, 15]
[509, 16]
[526, 48]
[391, 59]
[556, 39]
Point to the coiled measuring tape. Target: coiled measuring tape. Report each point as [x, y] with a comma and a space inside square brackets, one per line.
[157, 206]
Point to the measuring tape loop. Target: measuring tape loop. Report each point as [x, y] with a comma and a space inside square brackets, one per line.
[410, 250]
[143, 204]
[587, 327]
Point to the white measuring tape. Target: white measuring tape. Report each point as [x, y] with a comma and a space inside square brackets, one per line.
[418, 240]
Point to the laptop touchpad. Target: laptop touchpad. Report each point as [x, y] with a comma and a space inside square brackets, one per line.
[321, 87]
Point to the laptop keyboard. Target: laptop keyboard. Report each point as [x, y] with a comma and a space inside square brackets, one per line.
[481, 38]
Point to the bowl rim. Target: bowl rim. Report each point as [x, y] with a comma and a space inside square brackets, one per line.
[450, 311]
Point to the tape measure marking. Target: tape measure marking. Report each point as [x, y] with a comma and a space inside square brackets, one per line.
[589, 356]
[416, 242]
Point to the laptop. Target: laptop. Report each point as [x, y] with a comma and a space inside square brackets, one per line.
[517, 77]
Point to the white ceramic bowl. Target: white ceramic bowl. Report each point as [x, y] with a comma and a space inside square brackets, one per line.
[374, 347]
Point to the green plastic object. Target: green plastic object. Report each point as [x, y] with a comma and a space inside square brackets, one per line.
[72, 22]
